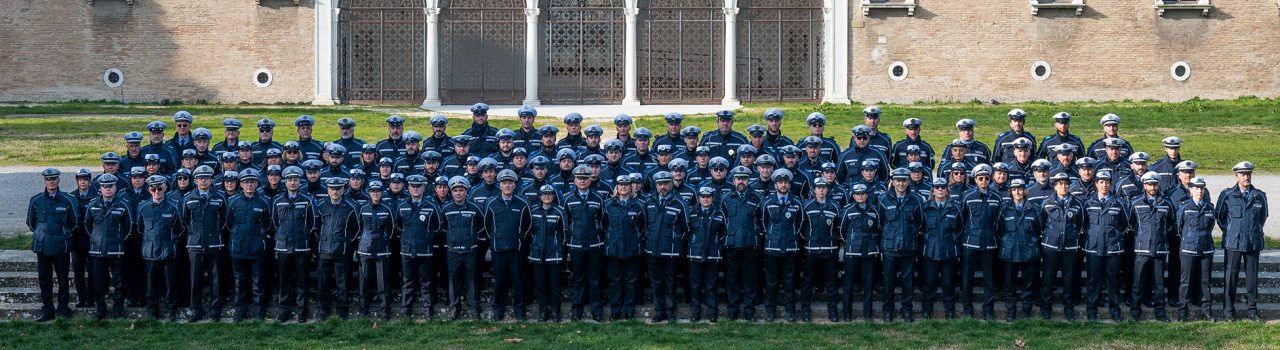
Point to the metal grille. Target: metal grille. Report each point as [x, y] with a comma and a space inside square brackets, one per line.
[780, 50]
[381, 48]
[482, 51]
[583, 51]
[681, 51]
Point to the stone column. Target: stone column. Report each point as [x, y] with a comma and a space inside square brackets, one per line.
[730, 54]
[835, 52]
[531, 53]
[432, 73]
[631, 80]
[326, 52]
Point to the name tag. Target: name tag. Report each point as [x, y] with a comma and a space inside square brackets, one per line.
[166, 215]
[257, 210]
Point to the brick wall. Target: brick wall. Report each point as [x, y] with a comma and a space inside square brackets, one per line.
[962, 50]
[168, 49]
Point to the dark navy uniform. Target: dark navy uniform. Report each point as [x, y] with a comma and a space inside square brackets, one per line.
[1195, 223]
[665, 231]
[204, 215]
[903, 220]
[463, 224]
[547, 255]
[1241, 216]
[508, 223]
[706, 238]
[377, 225]
[1063, 221]
[160, 224]
[294, 220]
[585, 217]
[108, 222]
[1152, 225]
[943, 224]
[420, 222]
[980, 213]
[783, 216]
[1108, 221]
[860, 229]
[51, 217]
[1019, 228]
[821, 255]
[249, 219]
[338, 225]
[624, 228]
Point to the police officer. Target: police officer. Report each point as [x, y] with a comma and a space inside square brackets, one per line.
[377, 224]
[943, 223]
[1242, 212]
[249, 220]
[420, 222]
[772, 136]
[338, 223]
[293, 216]
[584, 210]
[665, 229]
[1004, 144]
[1107, 216]
[573, 139]
[1062, 125]
[979, 213]
[622, 125]
[266, 130]
[1195, 221]
[860, 150]
[724, 140]
[508, 223]
[108, 219]
[624, 215]
[1110, 130]
[159, 220]
[903, 220]
[1152, 225]
[546, 252]
[706, 237]
[311, 149]
[976, 152]
[1018, 227]
[51, 217]
[821, 250]
[182, 139]
[167, 156]
[83, 194]
[860, 223]
[911, 137]
[782, 215]
[1166, 166]
[483, 135]
[203, 213]
[742, 246]
[464, 223]
[1062, 218]
[347, 139]
[880, 141]
[393, 146]
[230, 136]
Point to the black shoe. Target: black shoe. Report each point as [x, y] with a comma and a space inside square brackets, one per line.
[950, 315]
[1069, 314]
[1117, 316]
[173, 316]
[770, 316]
[83, 304]
[284, 317]
[1254, 316]
[926, 314]
[987, 315]
[195, 318]
[1207, 315]
[100, 314]
[1091, 315]
[1229, 316]
[1182, 315]
[832, 316]
[1010, 315]
[455, 315]
[45, 317]
[906, 316]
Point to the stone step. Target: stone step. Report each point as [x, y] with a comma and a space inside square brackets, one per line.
[17, 311]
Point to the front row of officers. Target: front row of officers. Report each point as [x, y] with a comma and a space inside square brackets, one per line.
[847, 242]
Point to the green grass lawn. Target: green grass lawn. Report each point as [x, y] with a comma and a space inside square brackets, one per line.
[363, 334]
[1217, 133]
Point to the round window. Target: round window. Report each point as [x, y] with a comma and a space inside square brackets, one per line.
[262, 77]
[113, 77]
[1040, 70]
[898, 71]
[1180, 71]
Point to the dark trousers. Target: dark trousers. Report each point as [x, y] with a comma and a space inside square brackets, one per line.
[1053, 262]
[824, 268]
[293, 273]
[584, 268]
[741, 281]
[1020, 279]
[205, 272]
[899, 270]
[702, 287]
[1103, 270]
[974, 260]
[416, 283]
[939, 274]
[1195, 266]
[46, 267]
[546, 282]
[373, 283]
[662, 278]
[332, 272]
[1148, 276]
[462, 282]
[779, 278]
[1173, 269]
[79, 274]
[162, 282]
[859, 270]
[508, 280]
[624, 273]
[1249, 262]
[106, 272]
[135, 284]
[250, 284]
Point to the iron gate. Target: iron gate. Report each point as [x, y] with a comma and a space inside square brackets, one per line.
[681, 51]
[482, 51]
[381, 48]
[780, 50]
[583, 52]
